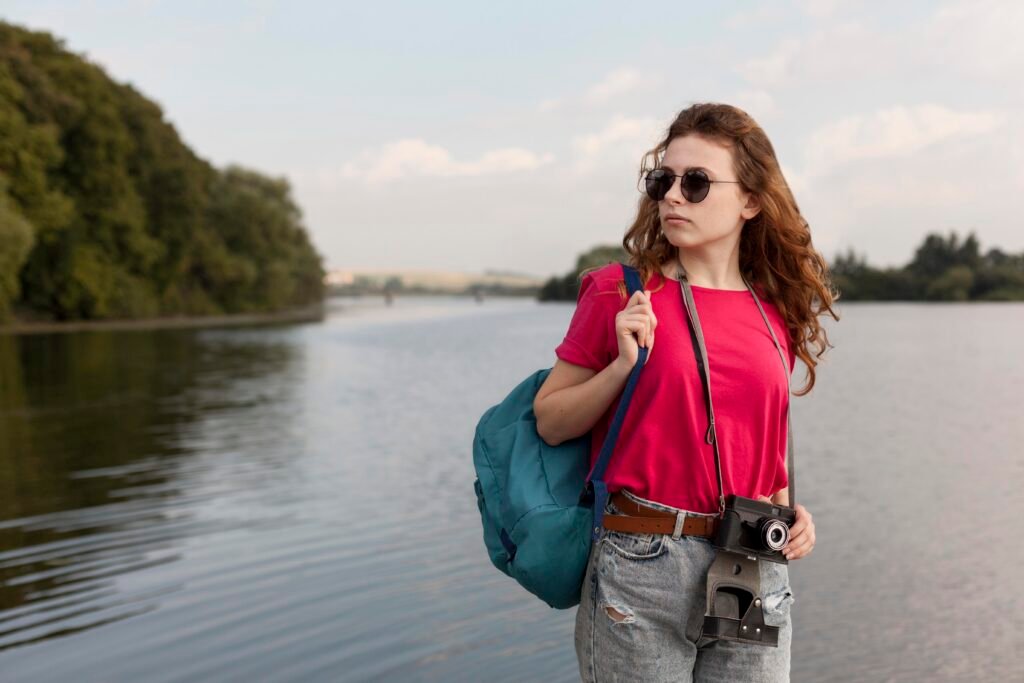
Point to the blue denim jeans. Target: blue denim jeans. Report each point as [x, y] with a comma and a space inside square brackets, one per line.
[642, 610]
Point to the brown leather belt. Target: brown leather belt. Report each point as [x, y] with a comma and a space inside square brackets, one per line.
[641, 519]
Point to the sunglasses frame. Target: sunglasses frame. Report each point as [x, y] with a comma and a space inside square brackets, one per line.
[690, 197]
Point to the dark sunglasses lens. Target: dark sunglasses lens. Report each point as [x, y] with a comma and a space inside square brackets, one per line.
[695, 186]
[657, 184]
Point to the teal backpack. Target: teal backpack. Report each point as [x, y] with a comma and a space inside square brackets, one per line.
[539, 507]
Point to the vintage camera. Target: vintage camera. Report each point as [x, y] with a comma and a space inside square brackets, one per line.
[755, 527]
[749, 532]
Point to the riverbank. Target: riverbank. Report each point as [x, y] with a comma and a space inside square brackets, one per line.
[313, 313]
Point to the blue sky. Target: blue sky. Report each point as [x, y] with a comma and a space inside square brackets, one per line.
[462, 136]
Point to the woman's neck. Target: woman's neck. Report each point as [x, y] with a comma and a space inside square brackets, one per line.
[720, 275]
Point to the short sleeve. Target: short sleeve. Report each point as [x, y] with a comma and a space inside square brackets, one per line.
[590, 340]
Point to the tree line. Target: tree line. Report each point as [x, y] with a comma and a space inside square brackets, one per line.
[106, 213]
[944, 268]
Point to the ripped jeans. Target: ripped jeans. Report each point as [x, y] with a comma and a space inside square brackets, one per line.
[642, 610]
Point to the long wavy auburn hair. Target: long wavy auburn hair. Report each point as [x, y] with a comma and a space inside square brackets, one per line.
[776, 254]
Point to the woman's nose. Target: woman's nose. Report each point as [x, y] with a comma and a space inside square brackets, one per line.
[676, 195]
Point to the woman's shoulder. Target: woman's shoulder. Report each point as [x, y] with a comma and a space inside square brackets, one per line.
[605, 280]
[606, 275]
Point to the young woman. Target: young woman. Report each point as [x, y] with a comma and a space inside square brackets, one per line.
[718, 210]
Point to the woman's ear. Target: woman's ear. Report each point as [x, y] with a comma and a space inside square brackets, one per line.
[752, 207]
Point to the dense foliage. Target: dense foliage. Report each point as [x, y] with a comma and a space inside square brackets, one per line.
[566, 287]
[104, 212]
[943, 269]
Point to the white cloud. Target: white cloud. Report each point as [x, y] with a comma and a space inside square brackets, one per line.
[621, 136]
[616, 83]
[619, 82]
[893, 132]
[771, 69]
[980, 37]
[413, 156]
[797, 182]
[930, 190]
[821, 8]
[757, 16]
[839, 51]
[758, 103]
[550, 104]
[1016, 153]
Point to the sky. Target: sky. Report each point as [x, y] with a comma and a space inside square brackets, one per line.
[474, 136]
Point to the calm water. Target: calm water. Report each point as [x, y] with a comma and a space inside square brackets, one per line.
[296, 503]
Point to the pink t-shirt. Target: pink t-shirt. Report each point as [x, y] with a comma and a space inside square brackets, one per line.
[661, 454]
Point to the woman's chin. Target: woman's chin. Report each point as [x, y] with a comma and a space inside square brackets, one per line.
[682, 237]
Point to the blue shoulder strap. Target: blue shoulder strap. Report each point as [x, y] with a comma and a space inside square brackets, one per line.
[595, 490]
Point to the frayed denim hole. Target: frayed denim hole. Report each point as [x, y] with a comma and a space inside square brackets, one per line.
[775, 577]
[778, 602]
[776, 589]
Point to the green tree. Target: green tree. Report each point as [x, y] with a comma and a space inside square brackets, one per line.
[566, 287]
[936, 255]
[943, 269]
[127, 220]
[953, 285]
[600, 256]
[16, 239]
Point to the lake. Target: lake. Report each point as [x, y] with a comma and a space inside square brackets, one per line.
[295, 502]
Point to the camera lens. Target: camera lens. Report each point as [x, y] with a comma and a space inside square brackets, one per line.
[774, 534]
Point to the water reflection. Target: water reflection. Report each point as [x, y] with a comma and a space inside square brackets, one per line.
[296, 503]
[114, 450]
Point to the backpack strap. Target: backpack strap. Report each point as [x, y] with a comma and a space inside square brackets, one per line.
[595, 491]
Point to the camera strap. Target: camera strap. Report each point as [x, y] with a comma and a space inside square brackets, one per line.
[701, 354]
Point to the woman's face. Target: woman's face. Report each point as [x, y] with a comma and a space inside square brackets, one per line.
[717, 217]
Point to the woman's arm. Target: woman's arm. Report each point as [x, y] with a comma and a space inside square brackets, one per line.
[573, 398]
[781, 497]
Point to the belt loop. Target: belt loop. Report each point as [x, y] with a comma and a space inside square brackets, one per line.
[678, 531]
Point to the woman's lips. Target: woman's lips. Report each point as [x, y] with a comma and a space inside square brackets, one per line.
[677, 219]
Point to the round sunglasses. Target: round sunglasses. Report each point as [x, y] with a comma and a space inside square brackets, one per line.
[694, 185]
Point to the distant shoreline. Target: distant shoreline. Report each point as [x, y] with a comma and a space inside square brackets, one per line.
[313, 313]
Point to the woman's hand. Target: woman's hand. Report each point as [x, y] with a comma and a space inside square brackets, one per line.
[801, 534]
[634, 327]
